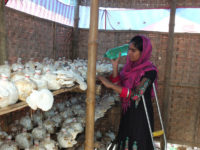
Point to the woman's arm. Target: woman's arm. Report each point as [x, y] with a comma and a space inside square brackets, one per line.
[114, 78]
[115, 66]
[140, 90]
[134, 94]
[110, 85]
[145, 81]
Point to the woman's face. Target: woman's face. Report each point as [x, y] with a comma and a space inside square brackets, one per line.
[133, 53]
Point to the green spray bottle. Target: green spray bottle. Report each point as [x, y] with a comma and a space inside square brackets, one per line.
[113, 53]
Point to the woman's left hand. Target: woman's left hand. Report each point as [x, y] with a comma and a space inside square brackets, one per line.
[105, 81]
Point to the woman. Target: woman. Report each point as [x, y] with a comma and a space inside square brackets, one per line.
[134, 80]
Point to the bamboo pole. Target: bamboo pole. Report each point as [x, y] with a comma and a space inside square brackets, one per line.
[3, 54]
[168, 67]
[54, 40]
[91, 76]
[75, 39]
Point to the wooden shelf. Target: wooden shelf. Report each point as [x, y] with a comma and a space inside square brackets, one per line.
[22, 103]
[74, 88]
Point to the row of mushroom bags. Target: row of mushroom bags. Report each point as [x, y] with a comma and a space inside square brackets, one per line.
[53, 129]
[33, 81]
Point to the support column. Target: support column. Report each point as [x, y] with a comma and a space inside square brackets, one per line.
[91, 76]
[75, 37]
[168, 67]
[3, 53]
[54, 41]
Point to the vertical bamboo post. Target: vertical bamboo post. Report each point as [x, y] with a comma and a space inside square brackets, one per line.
[54, 40]
[3, 54]
[91, 76]
[168, 66]
[75, 39]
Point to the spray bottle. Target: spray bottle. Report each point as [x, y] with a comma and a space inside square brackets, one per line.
[113, 53]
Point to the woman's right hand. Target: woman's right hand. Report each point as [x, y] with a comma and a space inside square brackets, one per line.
[115, 62]
[105, 81]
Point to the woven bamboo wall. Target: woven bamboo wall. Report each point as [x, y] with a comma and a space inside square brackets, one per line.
[184, 115]
[29, 36]
[142, 4]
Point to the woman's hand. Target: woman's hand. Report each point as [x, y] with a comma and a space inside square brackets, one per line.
[109, 84]
[115, 62]
[105, 81]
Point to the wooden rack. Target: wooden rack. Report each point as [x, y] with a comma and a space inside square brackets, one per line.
[22, 104]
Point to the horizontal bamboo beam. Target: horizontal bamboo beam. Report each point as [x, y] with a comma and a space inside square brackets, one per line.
[12, 108]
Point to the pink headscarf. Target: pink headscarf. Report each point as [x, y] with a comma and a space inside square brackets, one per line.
[133, 71]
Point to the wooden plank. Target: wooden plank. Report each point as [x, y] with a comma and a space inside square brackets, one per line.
[23, 104]
[13, 107]
[63, 90]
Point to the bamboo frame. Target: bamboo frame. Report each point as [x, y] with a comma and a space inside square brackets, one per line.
[91, 77]
[54, 40]
[75, 38]
[3, 54]
[168, 66]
